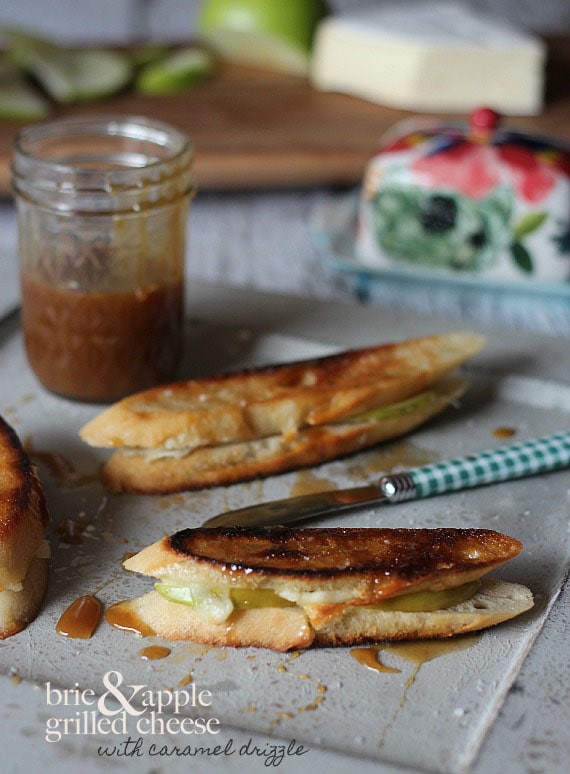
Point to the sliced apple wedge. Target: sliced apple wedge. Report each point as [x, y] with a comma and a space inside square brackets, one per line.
[69, 75]
[18, 100]
[176, 71]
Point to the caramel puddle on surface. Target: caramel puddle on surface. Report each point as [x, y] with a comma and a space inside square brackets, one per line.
[369, 657]
[71, 532]
[402, 454]
[124, 620]
[320, 691]
[169, 501]
[62, 469]
[80, 619]
[504, 432]
[154, 652]
[418, 653]
[197, 652]
[307, 482]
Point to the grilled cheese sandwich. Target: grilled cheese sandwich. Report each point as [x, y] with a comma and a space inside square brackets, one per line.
[24, 552]
[225, 429]
[295, 588]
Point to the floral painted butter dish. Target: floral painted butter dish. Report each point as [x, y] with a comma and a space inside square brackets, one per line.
[474, 200]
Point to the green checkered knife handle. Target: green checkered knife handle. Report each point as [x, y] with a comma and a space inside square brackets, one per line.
[501, 464]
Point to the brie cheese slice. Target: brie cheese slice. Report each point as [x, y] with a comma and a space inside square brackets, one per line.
[430, 56]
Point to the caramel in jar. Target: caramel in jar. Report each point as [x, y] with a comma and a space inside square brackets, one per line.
[100, 346]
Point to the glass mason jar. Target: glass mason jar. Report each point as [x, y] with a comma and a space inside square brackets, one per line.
[102, 206]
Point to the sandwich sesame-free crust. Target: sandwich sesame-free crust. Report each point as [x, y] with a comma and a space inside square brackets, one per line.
[23, 523]
[368, 564]
[333, 575]
[281, 399]
[129, 471]
[284, 629]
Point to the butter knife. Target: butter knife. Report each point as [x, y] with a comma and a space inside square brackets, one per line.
[492, 466]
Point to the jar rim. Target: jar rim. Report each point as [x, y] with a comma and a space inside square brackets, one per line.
[129, 127]
[101, 162]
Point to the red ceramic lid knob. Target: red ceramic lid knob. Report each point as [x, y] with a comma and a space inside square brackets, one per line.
[484, 120]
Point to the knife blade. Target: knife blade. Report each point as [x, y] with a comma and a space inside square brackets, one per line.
[503, 463]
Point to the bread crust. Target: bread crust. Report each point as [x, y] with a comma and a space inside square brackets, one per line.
[23, 510]
[278, 628]
[19, 608]
[24, 520]
[362, 565]
[231, 463]
[278, 399]
[284, 629]
[495, 602]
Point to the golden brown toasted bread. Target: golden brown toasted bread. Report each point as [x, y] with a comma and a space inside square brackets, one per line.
[291, 588]
[278, 400]
[132, 471]
[232, 428]
[289, 628]
[23, 523]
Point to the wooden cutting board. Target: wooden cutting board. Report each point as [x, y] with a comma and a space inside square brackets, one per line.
[253, 129]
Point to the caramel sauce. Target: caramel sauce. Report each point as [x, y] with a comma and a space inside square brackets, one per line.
[127, 555]
[504, 432]
[154, 652]
[80, 619]
[320, 690]
[421, 651]
[169, 501]
[386, 459]
[417, 651]
[70, 532]
[186, 680]
[368, 657]
[121, 618]
[100, 346]
[306, 482]
[60, 467]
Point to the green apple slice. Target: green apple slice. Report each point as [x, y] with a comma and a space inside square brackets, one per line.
[264, 33]
[178, 70]
[69, 75]
[409, 406]
[18, 100]
[241, 598]
[204, 599]
[428, 601]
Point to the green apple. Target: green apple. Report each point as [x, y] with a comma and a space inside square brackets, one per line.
[18, 100]
[276, 34]
[68, 75]
[177, 70]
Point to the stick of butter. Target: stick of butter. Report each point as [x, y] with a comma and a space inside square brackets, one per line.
[439, 57]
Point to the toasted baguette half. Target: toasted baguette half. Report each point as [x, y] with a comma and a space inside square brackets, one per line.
[24, 520]
[290, 628]
[278, 400]
[18, 608]
[331, 580]
[155, 472]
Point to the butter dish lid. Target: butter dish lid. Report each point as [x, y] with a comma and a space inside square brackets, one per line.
[472, 197]
[475, 157]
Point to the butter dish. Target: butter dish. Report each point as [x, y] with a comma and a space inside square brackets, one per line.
[471, 199]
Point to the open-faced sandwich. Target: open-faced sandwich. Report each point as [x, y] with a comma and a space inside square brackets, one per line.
[235, 427]
[23, 523]
[295, 588]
